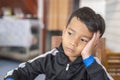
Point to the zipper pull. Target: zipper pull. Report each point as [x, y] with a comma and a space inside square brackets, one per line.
[67, 67]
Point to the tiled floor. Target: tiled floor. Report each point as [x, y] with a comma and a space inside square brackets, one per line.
[8, 64]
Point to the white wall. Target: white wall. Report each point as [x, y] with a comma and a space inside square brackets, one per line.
[99, 6]
[113, 25]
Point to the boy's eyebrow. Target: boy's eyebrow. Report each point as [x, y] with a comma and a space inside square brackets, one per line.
[71, 29]
[87, 37]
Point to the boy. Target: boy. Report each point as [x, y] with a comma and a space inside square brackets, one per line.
[73, 59]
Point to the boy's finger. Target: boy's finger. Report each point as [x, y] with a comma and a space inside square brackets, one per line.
[98, 34]
[94, 36]
[98, 37]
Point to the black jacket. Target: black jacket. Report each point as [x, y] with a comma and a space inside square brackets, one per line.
[54, 64]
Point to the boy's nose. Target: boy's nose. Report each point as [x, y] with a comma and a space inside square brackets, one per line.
[74, 43]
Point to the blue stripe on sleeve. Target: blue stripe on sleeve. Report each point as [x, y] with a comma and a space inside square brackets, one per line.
[88, 61]
[9, 79]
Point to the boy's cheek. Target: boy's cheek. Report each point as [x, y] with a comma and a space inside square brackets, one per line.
[80, 48]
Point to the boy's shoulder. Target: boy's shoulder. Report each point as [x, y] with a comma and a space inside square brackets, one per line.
[45, 55]
[51, 52]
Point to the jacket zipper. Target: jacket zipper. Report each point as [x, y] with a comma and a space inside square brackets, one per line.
[67, 67]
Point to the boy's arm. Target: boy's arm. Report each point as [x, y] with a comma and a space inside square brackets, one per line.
[87, 51]
[94, 70]
[28, 70]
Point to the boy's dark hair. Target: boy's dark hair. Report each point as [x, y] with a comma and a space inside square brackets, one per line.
[93, 21]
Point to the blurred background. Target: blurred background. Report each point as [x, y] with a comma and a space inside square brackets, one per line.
[27, 28]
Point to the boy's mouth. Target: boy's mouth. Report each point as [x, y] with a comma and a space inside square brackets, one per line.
[70, 50]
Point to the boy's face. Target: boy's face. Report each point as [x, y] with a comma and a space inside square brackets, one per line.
[75, 37]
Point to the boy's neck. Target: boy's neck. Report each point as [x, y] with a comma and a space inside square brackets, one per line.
[72, 59]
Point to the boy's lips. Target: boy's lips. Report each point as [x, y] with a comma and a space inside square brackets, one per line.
[70, 50]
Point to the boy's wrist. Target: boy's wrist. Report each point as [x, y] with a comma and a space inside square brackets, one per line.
[88, 61]
[85, 56]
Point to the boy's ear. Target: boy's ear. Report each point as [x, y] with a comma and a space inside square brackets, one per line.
[64, 30]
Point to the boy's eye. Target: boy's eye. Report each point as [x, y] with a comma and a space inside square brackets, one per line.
[84, 40]
[69, 33]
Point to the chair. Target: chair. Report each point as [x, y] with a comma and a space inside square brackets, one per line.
[112, 64]
[55, 41]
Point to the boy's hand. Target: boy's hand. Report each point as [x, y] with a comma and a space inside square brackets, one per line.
[87, 51]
